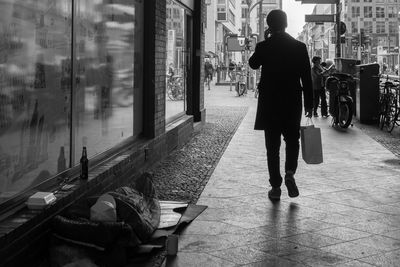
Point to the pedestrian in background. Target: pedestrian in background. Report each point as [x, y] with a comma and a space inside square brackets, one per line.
[232, 70]
[280, 98]
[317, 74]
[208, 72]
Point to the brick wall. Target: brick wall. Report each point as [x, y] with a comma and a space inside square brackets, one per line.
[203, 18]
[160, 67]
[154, 66]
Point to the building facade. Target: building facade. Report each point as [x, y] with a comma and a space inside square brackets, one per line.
[123, 79]
[258, 14]
[223, 19]
[323, 35]
[378, 20]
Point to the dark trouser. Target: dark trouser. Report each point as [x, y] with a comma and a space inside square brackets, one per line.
[291, 136]
[332, 96]
[320, 94]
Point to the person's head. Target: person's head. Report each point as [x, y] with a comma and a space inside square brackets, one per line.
[316, 60]
[277, 20]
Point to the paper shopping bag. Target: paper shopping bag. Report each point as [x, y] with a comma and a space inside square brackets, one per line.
[311, 144]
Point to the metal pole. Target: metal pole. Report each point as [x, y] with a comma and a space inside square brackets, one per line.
[338, 52]
[388, 51]
[246, 51]
[359, 38]
[261, 23]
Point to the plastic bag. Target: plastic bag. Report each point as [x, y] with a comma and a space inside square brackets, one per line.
[311, 144]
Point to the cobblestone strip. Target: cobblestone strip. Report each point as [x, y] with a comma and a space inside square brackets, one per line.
[183, 174]
[390, 141]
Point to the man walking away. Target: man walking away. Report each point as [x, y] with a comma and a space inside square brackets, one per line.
[280, 98]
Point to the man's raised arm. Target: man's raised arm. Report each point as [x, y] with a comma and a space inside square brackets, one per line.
[255, 59]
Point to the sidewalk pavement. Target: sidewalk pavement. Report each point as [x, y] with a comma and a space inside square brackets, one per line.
[347, 214]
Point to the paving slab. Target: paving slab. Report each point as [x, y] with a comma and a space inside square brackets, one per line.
[347, 214]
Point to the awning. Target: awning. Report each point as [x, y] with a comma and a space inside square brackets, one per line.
[210, 54]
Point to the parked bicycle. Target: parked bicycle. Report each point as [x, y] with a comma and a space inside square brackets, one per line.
[388, 105]
[240, 86]
[175, 90]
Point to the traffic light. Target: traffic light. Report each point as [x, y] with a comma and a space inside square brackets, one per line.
[355, 38]
[365, 39]
[248, 43]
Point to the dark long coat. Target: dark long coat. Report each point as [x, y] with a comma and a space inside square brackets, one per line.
[285, 75]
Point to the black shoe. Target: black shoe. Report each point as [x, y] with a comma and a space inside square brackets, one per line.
[274, 194]
[290, 183]
[316, 115]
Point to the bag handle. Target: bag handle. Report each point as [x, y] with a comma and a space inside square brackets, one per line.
[309, 122]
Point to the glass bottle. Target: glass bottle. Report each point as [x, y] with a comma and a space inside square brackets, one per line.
[84, 165]
[61, 162]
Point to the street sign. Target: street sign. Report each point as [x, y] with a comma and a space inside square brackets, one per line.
[238, 43]
[319, 1]
[233, 44]
[342, 28]
[320, 18]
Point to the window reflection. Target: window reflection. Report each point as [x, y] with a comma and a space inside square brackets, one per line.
[109, 73]
[177, 53]
[40, 135]
[35, 63]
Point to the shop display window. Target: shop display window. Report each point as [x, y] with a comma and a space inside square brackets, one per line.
[70, 76]
[177, 62]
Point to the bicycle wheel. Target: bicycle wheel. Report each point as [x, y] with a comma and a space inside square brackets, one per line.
[392, 114]
[345, 114]
[392, 122]
[383, 107]
[170, 91]
[175, 90]
[179, 92]
[241, 88]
